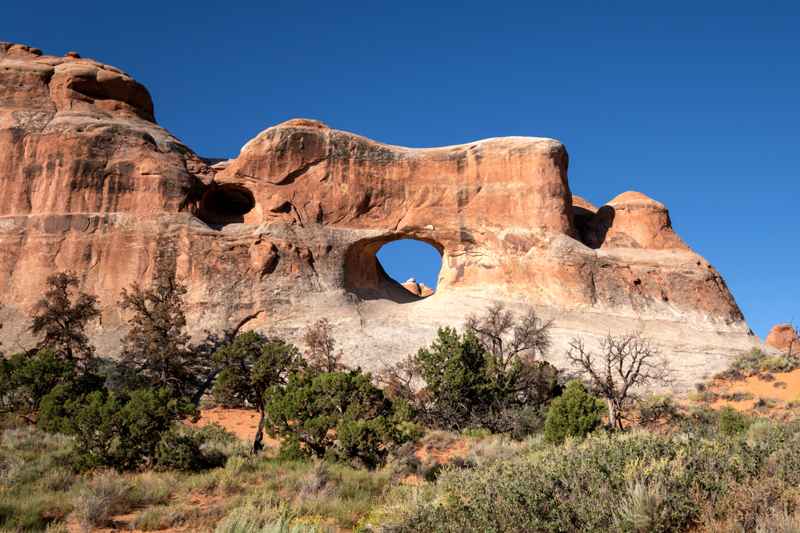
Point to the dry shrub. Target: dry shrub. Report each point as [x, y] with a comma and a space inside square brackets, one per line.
[101, 498]
[778, 521]
[163, 517]
[642, 508]
[58, 479]
[752, 504]
[317, 481]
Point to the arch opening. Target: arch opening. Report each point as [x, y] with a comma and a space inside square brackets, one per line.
[225, 204]
[400, 268]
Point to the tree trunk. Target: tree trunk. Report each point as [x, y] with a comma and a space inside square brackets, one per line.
[258, 440]
[198, 395]
[612, 414]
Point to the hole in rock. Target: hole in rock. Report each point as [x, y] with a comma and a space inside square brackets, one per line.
[395, 268]
[225, 204]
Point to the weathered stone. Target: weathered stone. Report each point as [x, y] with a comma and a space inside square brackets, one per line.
[290, 228]
[784, 338]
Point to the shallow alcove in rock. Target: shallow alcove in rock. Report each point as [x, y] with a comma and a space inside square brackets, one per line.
[225, 204]
[396, 268]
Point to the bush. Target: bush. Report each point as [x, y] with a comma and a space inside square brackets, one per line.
[756, 361]
[630, 481]
[101, 498]
[339, 415]
[116, 430]
[641, 509]
[27, 378]
[183, 449]
[657, 410]
[732, 422]
[457, 386]
[468, 385]
[162, 517]
[575, 413]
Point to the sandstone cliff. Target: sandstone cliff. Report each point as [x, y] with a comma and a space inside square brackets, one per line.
[290, 228]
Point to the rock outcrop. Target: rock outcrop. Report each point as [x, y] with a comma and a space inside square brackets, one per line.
[784, 338]
[289, 229]
[416, 288]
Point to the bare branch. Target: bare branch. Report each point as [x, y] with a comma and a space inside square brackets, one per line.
[624, 364]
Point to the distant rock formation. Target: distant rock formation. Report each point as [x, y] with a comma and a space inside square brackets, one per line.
[784, 338]
[416, 288]
[290, 227]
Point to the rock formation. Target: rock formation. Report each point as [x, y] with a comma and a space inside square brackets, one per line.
[289, 229]
[416, 288]
[784, 338]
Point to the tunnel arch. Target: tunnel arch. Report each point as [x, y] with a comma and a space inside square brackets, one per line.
[365, 276]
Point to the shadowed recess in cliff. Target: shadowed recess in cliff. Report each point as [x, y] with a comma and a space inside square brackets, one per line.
[393, 267]
[225, 204]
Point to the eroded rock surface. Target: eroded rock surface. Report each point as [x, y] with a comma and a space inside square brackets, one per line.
[784, 338]
[290, 228]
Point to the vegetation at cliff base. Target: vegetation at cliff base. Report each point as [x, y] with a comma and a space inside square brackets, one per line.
[476, 431]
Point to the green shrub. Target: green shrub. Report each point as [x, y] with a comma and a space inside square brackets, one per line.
[340, 415]
[732, 422]
[756, 361]
[183, 449]
[27, 378]
[469, 384]
[575, 413]
[117, 430]
[608, 482]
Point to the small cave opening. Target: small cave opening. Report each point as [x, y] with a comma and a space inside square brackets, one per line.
[225, 204]
[592, 227]
[398, 268]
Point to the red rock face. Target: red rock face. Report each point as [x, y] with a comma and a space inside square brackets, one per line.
[290, 228]
[784, 338]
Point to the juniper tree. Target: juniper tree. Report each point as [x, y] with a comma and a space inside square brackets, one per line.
[156, 347]
[61, 316]
[250, 365]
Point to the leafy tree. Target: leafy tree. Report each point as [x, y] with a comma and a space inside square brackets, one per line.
[575, 413]
[321, 351]
[156, 346]
[61, 317]
[204, 354]
[26, 379]
[252, 364]
[340, 415]
[491, 375]
[457, 387]
[623, 365]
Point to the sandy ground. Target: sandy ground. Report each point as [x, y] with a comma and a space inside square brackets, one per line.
[782, 390]
[241, 422]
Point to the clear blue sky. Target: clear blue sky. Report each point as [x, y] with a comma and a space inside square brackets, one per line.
[696, 104]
